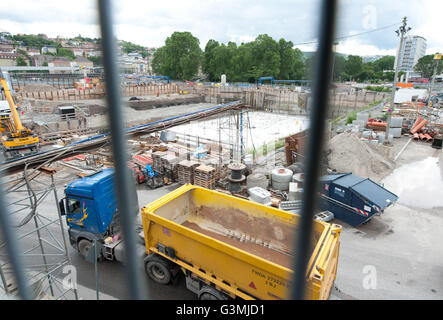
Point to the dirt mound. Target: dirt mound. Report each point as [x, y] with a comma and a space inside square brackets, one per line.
[347, 153]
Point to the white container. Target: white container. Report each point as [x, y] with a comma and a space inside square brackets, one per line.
[396, 122]
[396, 132]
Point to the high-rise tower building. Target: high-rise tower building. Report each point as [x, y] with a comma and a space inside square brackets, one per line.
[413, 48]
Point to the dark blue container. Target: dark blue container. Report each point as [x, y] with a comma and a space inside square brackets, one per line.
[353, 199]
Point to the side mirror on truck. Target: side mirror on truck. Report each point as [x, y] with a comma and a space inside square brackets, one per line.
[61, 205]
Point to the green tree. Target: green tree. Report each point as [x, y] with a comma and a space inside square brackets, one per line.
[21, 61]
[208, 66]
[32, 40]
[287, 59]
[65, 52]
[339, 66]
[98, 60]
[384, 63]
[179, 58]
[128, 47]
[354, 66]
[425, 65]
[266, 56]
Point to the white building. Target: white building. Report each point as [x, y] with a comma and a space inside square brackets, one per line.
[413, 48]
[49, 49]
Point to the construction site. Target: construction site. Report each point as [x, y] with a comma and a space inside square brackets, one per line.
[245, 142]
[133, 186]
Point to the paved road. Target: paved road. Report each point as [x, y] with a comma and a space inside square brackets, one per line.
[112, 278]
[111, 275]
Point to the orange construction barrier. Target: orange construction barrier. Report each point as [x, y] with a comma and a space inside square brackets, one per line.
[405, 85]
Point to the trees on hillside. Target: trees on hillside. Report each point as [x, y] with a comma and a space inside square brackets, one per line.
[65, 52]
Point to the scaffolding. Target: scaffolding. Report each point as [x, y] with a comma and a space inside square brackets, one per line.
[41, 236]
[233, 130]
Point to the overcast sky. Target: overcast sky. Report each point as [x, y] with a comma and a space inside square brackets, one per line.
[149, 23]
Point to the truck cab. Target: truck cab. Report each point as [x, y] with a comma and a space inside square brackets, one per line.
[91, 213]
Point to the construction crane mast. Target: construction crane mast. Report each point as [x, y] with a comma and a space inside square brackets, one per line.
[16, 139]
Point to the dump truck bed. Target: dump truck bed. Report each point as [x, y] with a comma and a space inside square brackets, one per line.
[243, 248]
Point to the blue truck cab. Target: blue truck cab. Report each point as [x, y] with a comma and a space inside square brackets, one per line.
[91, 211]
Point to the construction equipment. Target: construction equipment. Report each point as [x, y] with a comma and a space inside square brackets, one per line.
[16, 139]
[230, 248]
[153, 179]
[227, 247]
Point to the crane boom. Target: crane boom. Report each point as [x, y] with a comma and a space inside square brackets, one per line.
[18, 123]
[16, 140]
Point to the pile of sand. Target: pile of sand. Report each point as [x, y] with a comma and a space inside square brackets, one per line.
[347, 153]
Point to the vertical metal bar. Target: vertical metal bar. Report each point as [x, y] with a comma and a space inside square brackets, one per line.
[43, 255]
[13, 248]
[96, 269]
[123, 185]
[65, 243]
[322, 78]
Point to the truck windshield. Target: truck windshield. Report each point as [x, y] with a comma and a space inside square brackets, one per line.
[73, 205]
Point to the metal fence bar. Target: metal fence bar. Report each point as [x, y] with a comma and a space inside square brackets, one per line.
[124, 187]
[13, 248]
[322, 77]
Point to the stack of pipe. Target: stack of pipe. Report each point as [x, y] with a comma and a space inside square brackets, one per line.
[376, 125]
[419, 126]
[419, 131]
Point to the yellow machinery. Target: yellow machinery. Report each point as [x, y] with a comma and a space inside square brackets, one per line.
[229, 247]
[16, 139]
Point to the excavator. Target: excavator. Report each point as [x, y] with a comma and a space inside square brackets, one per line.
[16, 140]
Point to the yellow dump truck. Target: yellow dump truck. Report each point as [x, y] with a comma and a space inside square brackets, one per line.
[228, 247]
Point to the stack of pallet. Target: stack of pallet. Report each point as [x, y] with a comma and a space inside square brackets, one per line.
[205, 177]
[185, 171]
[216, 165]
[169, 162]
[157, 160]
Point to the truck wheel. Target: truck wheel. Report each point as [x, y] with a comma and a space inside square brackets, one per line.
[158, 269]
[208, 296]
[84, 246]
[209, 293]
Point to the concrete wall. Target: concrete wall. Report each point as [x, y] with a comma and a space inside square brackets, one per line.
[74, 94]
[288, 101]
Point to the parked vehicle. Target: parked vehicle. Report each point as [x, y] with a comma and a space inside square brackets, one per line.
[226, 247]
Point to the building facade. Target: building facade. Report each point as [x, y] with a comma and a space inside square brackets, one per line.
[413, 48]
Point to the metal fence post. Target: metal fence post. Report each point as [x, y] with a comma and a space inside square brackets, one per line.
[124, 187]
[13, 248]
[320, 92]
